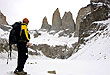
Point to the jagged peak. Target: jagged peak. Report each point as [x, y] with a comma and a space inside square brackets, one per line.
[57, 9]
[67, 13]
[57, 12]
[45, 20]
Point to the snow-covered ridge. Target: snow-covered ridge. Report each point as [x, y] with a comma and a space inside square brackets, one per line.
[98, 47]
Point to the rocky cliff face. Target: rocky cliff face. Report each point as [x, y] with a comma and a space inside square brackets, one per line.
[104, 1]
[87, 15]
[3, 19]
[81, 15]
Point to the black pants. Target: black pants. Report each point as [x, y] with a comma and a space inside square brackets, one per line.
[22, 55]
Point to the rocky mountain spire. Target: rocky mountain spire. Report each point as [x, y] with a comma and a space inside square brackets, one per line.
[68, 22]
[45, 20]
[56, 21]
[45, 24]
[3, 19]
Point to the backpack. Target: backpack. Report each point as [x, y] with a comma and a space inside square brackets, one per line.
[14, 35]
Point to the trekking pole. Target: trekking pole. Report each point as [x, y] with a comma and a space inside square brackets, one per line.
[9, 53]
[8, 57]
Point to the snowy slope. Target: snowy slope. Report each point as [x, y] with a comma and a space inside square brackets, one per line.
[98, 47]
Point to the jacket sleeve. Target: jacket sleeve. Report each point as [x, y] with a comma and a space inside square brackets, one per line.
[26, 34]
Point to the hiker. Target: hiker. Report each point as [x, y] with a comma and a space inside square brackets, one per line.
[22, 45]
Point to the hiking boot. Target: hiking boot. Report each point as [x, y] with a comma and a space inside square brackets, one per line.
[15, 71]
[24, 72]
[20, 72]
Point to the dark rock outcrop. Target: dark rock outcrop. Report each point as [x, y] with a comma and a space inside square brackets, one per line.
[99, 14]
[104, 1]
[61, 52]
[5, 27]
[85, 25]
[34, 33]
[81, 15]
[3, 45]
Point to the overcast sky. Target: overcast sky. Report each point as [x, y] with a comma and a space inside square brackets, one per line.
[36, 10]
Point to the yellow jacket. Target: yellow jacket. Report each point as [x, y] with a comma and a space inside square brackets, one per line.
[24, 33]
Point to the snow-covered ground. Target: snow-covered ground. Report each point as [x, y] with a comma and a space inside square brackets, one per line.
[52, 40]
[92, 59]
[62, 67]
